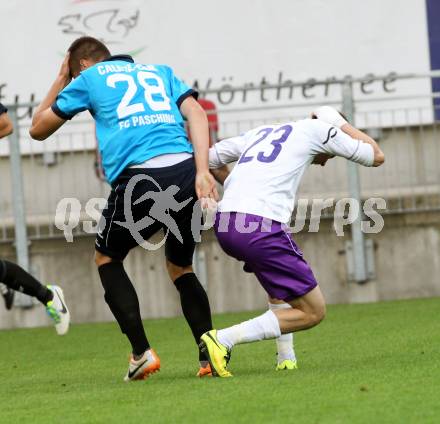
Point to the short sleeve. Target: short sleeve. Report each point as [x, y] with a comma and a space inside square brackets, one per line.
[179, 90]
[75, 98]
[333, 141]
[226, 151]
[3, 109]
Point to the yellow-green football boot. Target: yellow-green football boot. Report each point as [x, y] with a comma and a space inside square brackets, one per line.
[217, 354]
[287, 365]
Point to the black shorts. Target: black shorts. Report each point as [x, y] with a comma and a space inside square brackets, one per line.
[168, 202]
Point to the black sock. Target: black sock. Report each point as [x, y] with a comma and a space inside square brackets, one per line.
[18, 279]
[195, 306]
[122, 299]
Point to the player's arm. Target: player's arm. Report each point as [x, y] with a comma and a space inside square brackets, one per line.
[226, 151]
[379, 157]
[220, 174]
[45, 122]
[339, 138]
[199, 133]
[6, 126]
[218, 168]
[185, 98]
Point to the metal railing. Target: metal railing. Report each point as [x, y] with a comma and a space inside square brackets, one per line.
[35, 176]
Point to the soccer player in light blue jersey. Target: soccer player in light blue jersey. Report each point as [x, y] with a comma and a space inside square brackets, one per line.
[139, 110]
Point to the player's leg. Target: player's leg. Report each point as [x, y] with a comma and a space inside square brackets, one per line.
[179, 255]
[8, 295]
[305, 312]
[122, 299]
[51, 296]
[281, 269]
[195, 304]
[113, 242]
[193, 297]
[16, 278]
[286, 358]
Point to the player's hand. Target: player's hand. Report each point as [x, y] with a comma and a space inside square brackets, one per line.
[209, 209]
[330, 115]
[206, 187]
[64, 72]
[220, 174]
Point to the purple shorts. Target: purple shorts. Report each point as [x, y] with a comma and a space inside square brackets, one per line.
[268, 251]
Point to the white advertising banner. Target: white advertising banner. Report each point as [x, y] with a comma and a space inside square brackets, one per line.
[216, 45]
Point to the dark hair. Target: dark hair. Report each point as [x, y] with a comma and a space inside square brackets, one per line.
[86, 48]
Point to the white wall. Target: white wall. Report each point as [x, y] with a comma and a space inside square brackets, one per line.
[407, 256]
[228, 42]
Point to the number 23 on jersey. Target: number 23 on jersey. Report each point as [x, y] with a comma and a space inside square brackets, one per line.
[276, 137]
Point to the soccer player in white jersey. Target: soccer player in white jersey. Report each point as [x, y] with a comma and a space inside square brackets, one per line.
[286, 356]
[251, 223]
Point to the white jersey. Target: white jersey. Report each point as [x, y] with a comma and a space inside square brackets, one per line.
[271, 161]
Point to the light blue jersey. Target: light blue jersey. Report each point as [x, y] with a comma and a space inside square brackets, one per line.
[136, 109]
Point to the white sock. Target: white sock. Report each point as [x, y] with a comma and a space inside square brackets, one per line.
[264, 327]
[285, 348]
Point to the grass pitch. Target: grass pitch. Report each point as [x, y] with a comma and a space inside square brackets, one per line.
[376, 363]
